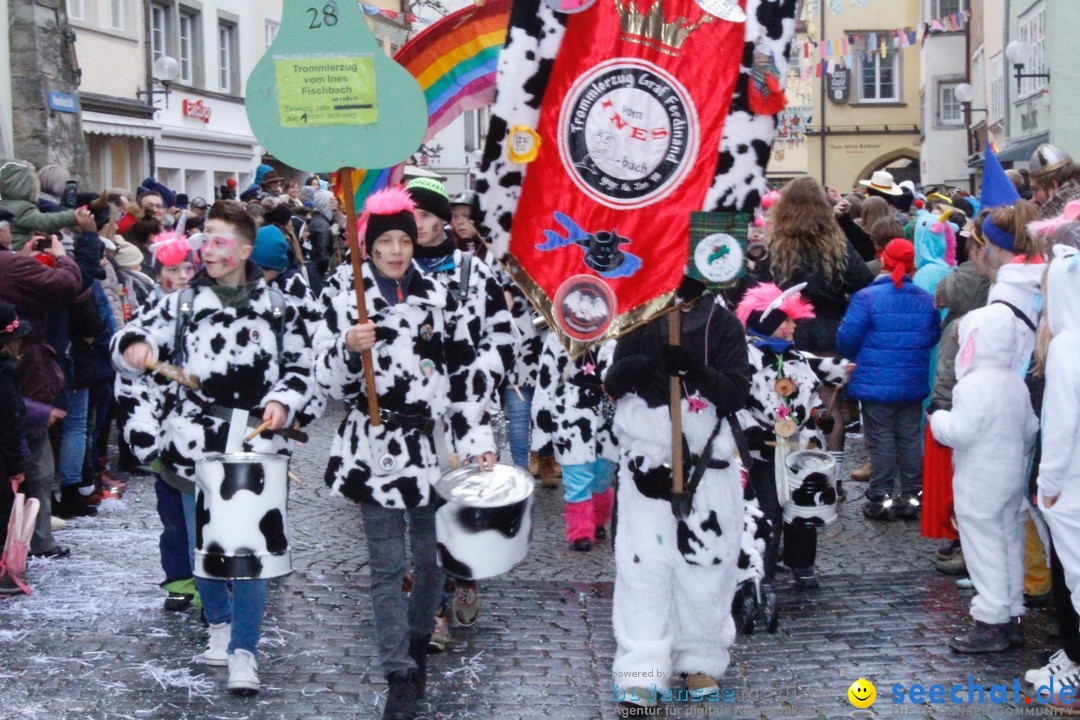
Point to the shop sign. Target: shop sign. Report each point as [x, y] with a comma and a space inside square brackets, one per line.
[197, 109]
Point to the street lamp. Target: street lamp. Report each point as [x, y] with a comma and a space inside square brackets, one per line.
[166, 71]
[1019, 52]
[965, 93]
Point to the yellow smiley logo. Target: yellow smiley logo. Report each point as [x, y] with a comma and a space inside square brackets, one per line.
[862, 693]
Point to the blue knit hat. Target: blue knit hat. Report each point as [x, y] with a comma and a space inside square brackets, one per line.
[271, 250]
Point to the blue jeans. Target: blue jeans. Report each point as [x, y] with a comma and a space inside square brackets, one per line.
[518, 418]
[239, 602]
[894, 439]
[73, 438]
[173, 545]
[397, 619]
[581, 482]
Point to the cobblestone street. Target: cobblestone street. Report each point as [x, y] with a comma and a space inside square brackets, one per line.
[94, 642]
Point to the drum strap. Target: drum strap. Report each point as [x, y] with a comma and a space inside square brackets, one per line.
[680, 506]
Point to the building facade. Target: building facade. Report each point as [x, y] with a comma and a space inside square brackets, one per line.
[118, 126]
[944, 143]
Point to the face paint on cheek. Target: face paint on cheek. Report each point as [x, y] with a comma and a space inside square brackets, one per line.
[377, 254]
[230, 262]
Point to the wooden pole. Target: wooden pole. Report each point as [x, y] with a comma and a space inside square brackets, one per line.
[676, 409]
[345, 174]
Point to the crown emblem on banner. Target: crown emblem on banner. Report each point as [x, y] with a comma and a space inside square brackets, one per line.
[651, 29]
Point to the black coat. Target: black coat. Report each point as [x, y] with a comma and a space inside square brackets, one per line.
[830, 297]
[12, 423]
[708, 331]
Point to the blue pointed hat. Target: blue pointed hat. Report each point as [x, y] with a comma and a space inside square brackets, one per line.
[997, 188]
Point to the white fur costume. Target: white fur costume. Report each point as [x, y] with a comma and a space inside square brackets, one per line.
[676, 579]
[1059, 470]
[992, 429]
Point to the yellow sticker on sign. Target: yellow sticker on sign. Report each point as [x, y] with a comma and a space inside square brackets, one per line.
[326, 90]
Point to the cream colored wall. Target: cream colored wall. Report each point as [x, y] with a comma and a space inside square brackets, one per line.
[113, 62]
[848, 155]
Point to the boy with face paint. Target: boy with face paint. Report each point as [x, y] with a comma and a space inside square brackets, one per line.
[425, 370]
[230, 345]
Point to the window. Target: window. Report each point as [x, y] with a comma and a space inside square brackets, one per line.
[159, 30]
[997, 88]
[1033, 30]
[189, 28]
[271, 32]
[117, 10]
[950, 110]
[75, 10]
[945, 8]
[879, 80]
[227, 57]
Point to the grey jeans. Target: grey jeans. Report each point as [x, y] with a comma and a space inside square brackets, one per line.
[894, 438]
[39, 481]
[397, 618]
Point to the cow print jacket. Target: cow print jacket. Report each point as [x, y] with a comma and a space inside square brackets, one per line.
[233, 353]
[571, 413]
[533, 40]
[764, 406]
[530, 339]
[426, 369]
[484, 315]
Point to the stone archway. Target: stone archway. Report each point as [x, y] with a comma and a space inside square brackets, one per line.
[883, 161]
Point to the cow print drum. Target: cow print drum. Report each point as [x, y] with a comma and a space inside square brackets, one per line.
[241, 524]
[484, 522]
[813, 488]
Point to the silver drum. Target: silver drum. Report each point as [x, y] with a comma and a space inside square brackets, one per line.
[484, 522]
[812, 487]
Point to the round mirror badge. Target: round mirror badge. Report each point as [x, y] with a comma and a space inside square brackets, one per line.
[628, 133]
[584, 307]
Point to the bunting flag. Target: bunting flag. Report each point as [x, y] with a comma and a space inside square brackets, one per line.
[454, 61]
[401, 16]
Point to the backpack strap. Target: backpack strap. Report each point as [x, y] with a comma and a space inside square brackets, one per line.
[184, 306]
[466, 271]
[1018, 313]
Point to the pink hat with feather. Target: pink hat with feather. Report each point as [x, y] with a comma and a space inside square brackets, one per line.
[765, 307]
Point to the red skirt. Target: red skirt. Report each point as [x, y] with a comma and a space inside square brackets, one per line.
[938, 520]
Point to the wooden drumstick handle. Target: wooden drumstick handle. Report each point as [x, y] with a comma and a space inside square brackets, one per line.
[172, 372]
[257, 431]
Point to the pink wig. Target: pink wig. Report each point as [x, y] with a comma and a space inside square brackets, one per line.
[170, 249]
[761, 296]
[388, 201]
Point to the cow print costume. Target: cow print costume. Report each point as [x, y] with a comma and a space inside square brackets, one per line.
[426, 368]
[233, 354]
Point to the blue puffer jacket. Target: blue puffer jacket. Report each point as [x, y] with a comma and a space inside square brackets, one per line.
[888, 332]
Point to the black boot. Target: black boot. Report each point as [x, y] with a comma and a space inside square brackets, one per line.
[418, 649]
[401, 700]
[72, 504]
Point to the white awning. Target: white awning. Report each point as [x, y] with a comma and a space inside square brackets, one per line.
[121, 125]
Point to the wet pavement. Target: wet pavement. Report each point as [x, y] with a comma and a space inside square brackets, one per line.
[94, 642]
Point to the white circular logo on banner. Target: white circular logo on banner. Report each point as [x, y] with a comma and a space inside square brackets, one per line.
[719, 258]
[628, 133]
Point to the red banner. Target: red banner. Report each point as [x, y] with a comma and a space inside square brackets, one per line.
[629, 130]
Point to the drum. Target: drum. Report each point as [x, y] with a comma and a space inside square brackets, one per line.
[483, 525]
[812, 488]
[241, 523]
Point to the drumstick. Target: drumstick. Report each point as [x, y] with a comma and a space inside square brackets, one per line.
[518, 391]
[296, 479]
[172, 372]
[257, 431]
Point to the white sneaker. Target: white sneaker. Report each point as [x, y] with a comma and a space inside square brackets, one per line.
[243, 673]
[1059, 665]
[58, 524]
[217, 650]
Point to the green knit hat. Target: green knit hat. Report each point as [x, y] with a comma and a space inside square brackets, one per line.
[430, 195]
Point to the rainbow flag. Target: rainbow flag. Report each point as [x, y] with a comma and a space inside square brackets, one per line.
[454, 60]
[364, 182]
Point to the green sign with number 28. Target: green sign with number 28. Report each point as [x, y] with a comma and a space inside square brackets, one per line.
[325, 95]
